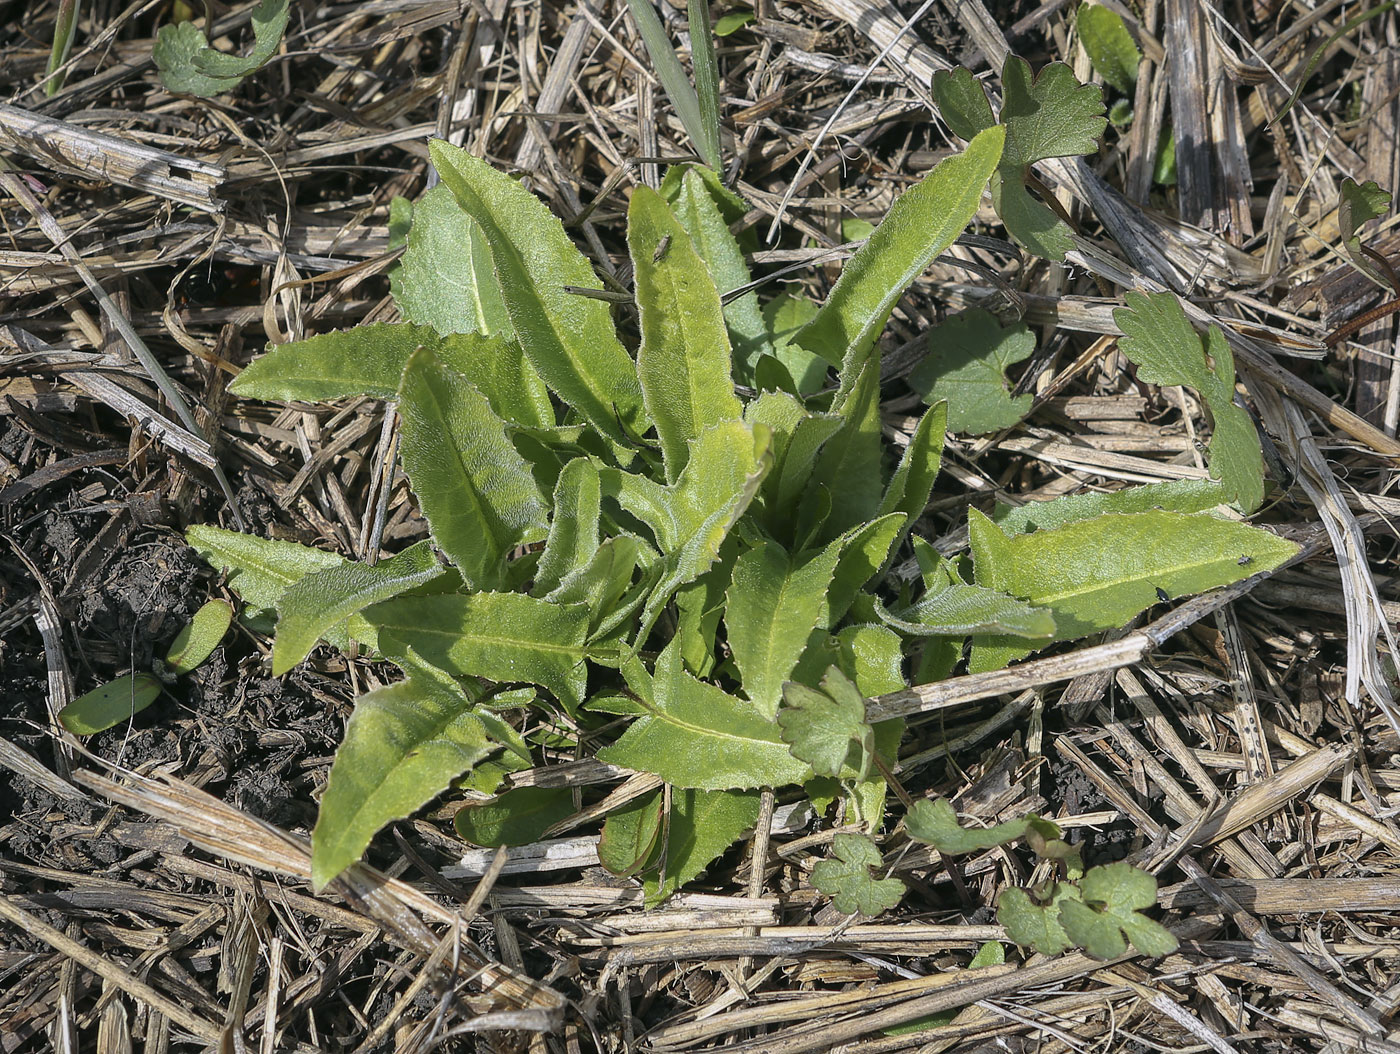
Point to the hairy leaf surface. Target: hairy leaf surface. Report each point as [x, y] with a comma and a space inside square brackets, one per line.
[475, 489]
[568, 338]
[684, 360]
[966, 365]
[404, 744]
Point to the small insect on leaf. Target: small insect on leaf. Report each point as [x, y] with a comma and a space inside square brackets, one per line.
[659, 253]
[1163, 595]
[110, 704]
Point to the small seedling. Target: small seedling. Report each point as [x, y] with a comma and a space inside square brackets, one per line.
[121, 699]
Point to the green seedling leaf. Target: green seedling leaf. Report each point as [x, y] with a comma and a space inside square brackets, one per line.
[1109, 45]
[189, 66]
[602, 584]
[1110, 904]
[631, 834]
[700, 826]
[404, 744]
[568, 338]
[864, 551]
[684, 360]
[1035, 925]
[825, 727]
[110, 704]
[517, 817]
[797, 436]
[1051, 116]
[1176, 495]
[370, 360]
[699, 124]
[1097, 574]
[1032, 223]
[699, 606]
[924, 221]
[962, 610]
[310, 607]
[847, 879]
[936, 823]
[962, 102]
[573, 529]
[1164, 167]
[911, 486]
[966, 365]
[201, 635]
[260, 571]
[445, 279]
[705, 64]
[475, 489]
[695, 735]
[499, 636]
[1358, 204]
[732, 22]
[783, 318]
[774, 602]
[703, 205]
[1158, 338]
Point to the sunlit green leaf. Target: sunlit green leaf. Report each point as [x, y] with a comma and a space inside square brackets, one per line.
[697, 735]
[1176, 495]
[200, 636]
[475, 489]
[684, 359]
[311, 606]
[568, 338]
[699, 827]
[936, 823]
[404, 744]
[573, 527]
[1033, 924]
[110, 704]
[825, 727]
[498, 636]
[1111, 900]
[1109, 45]
[1159, 339]
[1051, 116]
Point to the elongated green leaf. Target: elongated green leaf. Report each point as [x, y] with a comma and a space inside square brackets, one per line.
[518, 817]
[446, 280]
[702, 128]
[260, 571]
[696, 735]
[1159, 339]
[1109, 45]
[700, 826]
[188, 65]
[696, 203]
[797, 437]
[498, 636]
[573, 528]
[366, 360]
[684, 360]
[966, 365]
[1177, 495]
[474, 488]
[569, 339]
[960, 611]
[923, 222]
[851, 468]
[728, 462]
[774, 602]
[310, 607]
[201, 635]
[784, 317]
[631, 834]
[110, 704]
[699, 605]
[706, 66]
[864, 551]
[936, 823]
[404, 744]
[911, 486]
[1097, 574]
[601, 583]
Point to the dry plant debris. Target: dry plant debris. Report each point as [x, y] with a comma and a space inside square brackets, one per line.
[154, 880]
